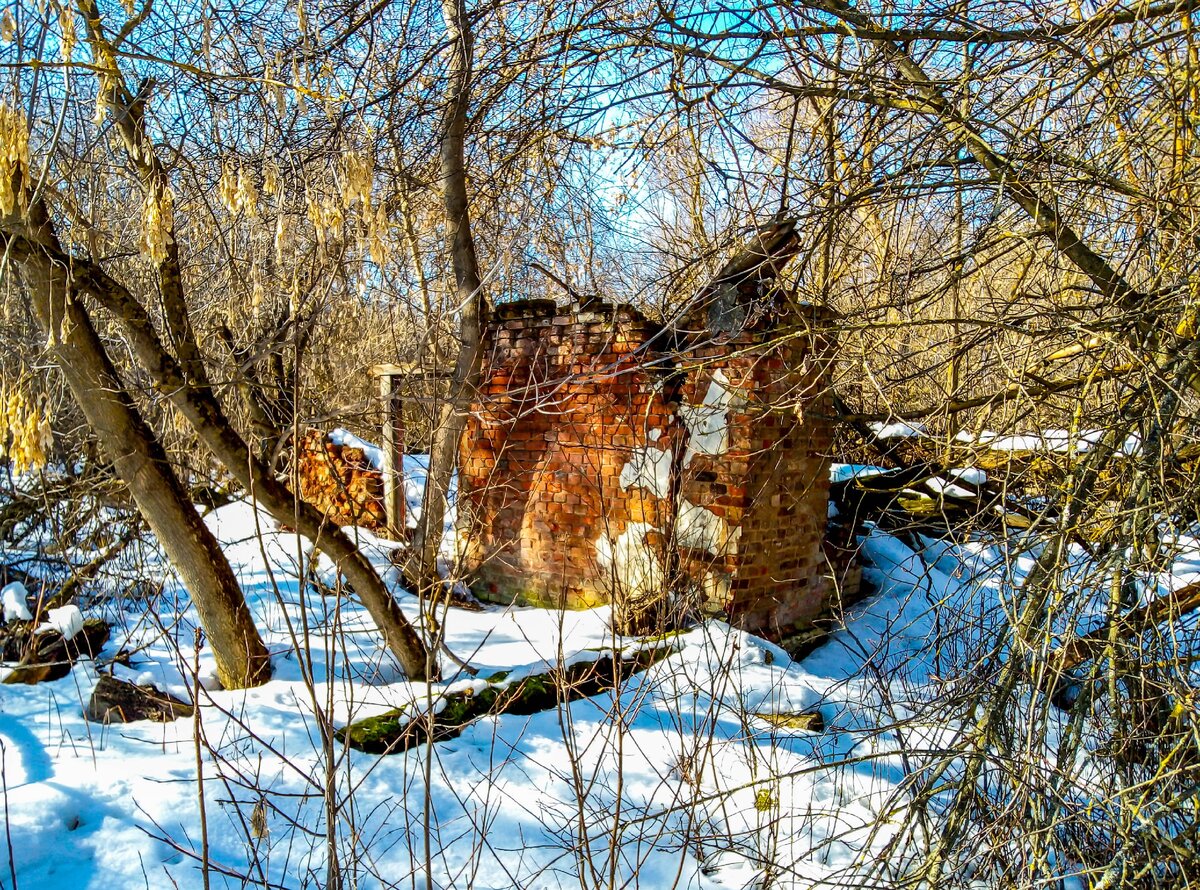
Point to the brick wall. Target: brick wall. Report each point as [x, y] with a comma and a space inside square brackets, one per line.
[340, 482]
[609, 459]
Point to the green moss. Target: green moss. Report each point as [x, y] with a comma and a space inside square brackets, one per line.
[376, 734]
[390, 733]
[810, 721]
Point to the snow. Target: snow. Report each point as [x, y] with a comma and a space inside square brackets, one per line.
[898, 429]
[14, 597]
[632, 561]
[347, 439]
[673, 780]
[940, 485]
[67, 620]
[649, 468]
[699, 528]
[708, 422]
[846, 472]
[970, 475]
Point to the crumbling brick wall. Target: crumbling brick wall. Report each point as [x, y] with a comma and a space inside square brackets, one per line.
[340, 481]
[609, 459]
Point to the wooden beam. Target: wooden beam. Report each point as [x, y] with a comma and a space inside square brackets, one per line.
[393, 453]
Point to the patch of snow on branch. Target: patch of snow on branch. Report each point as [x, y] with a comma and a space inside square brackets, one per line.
[14, 597]
[939, 485]
[899, 429]
[969, 475]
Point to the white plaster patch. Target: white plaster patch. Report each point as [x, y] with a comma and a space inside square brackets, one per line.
[648, 468]
[708, 422]
[635, 566]
[699, 528]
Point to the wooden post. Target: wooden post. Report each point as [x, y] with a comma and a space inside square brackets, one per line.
[391, 398]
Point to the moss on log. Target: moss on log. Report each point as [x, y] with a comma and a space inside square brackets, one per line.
[400, 729]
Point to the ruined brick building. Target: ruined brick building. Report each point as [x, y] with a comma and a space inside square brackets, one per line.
[679, 468]
[609, 458]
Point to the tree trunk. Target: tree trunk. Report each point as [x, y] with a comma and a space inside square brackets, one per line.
[204, 414]
[140, 461]
[443, 453]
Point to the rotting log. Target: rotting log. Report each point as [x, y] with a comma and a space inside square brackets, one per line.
[119, 701]
[400, 729]
[49, 655]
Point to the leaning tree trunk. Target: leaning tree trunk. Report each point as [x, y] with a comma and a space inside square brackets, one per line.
[138, 457]
[183, 381]
[469, 295]
[202, 411]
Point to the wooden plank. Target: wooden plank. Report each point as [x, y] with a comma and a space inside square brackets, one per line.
[393, 453]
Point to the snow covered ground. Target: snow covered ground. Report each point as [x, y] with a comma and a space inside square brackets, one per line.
[689, 776]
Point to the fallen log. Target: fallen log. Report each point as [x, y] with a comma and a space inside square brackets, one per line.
[119, 701]
[400, 729]
[1164, 608]
[48, 655]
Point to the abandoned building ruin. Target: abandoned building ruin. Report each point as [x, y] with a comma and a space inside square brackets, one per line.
[608, 458]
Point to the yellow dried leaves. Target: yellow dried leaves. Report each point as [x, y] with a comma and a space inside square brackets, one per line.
[66, 21]
[357, 170]
[14, 158]
[25, 431]
[326, 215]
[158, 223]
[377, 227]
[8, 27]
[270, 178]
[237, 190]
[284, 238]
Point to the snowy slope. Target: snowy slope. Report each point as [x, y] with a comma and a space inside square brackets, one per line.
[675, 781]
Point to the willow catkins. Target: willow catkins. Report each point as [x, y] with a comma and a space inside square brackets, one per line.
[237, 191]
[66, 21]
[284, 241]
[356, 179]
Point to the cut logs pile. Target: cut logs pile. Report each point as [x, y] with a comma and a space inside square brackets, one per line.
[340, 482]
